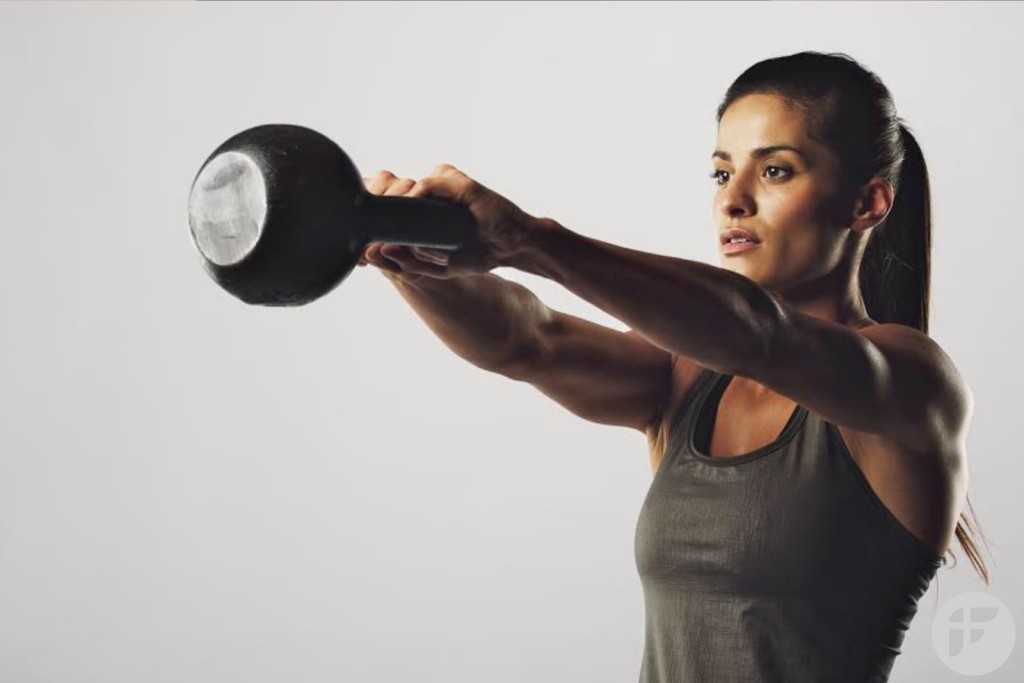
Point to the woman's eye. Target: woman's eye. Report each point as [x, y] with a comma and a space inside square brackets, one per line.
[716, 173]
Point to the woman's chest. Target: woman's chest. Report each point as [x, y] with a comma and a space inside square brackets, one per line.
[919, 491]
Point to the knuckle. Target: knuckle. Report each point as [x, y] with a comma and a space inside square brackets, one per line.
[444, 169]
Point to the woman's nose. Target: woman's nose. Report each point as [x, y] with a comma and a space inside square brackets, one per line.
[734, 201]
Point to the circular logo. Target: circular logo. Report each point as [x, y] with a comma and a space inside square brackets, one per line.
[973, 633]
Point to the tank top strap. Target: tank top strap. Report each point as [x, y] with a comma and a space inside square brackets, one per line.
[682, 422]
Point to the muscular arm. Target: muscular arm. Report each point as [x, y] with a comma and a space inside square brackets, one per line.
[595, 372]
[685, 307]
[888, 380]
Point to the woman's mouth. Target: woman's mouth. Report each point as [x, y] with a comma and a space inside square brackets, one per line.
[738, 246]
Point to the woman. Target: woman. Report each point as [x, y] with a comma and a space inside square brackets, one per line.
[807, 436]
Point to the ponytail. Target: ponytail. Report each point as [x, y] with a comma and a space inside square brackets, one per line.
[895, 273]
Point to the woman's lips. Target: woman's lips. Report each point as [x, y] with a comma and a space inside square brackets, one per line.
[738, 247]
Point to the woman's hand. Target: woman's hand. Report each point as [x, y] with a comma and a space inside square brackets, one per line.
[502, 227]
[400, 263]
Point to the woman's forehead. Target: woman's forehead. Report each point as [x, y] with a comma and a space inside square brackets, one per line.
[756, 121]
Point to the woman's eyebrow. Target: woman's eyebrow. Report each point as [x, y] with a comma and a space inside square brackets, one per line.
[762, 152]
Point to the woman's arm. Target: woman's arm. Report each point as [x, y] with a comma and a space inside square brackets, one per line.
[715, 316]
[595, 372]
[889, 379]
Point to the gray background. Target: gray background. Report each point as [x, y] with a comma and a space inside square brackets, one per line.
[196, 490]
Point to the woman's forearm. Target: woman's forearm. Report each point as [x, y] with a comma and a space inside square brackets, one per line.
[713, 315]
[487, 320]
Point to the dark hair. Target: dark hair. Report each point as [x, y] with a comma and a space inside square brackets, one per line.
[851, 112]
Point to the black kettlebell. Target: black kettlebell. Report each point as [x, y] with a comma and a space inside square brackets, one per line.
[280, 216]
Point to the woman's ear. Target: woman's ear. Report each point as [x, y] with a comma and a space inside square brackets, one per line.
[872, 205]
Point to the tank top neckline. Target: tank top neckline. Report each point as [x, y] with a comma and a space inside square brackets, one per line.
[709, 401]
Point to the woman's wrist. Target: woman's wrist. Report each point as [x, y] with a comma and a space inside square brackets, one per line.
[528, 254]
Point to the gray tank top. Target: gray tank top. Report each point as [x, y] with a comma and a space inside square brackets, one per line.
[780, 564]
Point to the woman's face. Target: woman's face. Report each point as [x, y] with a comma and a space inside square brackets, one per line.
[786, 198]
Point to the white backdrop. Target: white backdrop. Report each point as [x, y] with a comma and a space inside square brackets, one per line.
[192, 489]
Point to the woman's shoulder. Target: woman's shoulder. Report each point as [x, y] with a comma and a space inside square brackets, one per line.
[924, 361]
